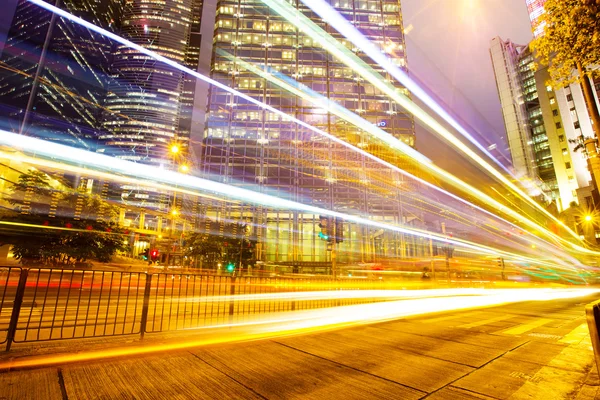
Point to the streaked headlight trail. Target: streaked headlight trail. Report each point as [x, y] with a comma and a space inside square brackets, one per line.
[177, 180]
[396, 144]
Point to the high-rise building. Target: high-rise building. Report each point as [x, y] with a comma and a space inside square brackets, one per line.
[541, 121]
[54, 73]
[536, 9]
[514, 88]
[146, 97]
[247, 146]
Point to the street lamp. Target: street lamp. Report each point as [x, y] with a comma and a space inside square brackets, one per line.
[588, 218]
[184, 168]
[174, 149]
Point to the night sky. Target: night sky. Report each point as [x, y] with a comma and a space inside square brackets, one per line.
[448, 50]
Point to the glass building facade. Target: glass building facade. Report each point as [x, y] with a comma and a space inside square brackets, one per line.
[251, 147]
[146, 97]
[535, 8]
[55, 74]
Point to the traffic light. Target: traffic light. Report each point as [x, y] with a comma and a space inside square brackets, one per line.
[324, 225]
[230, 267]
[144, 254]
[154, 255]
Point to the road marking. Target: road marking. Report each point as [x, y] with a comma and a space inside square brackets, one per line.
[519, 329]
[485, 321]
[545, 336]
[576, 335]
[527, 377]
[434, 320]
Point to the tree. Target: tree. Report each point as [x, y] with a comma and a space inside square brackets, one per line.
[571, 40]
[227, 244]
[60, 240]
[579, 143]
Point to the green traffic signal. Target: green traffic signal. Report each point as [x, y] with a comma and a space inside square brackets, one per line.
[323, 236]
[230, 267]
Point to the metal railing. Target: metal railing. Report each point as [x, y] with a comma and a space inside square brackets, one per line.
[40, 304]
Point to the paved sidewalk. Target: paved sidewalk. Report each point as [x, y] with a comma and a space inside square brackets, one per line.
[536, 350]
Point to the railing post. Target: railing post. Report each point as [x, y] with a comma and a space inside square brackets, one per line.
[14, 318]
[593, 321]
[231, 294]
[146, 305]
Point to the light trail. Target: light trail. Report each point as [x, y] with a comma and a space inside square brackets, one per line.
[344, 27]
[318, 100]
[303, 322]
[344, 294]
[349, 31]
[179, 181]
[394, 142]
[308, 27]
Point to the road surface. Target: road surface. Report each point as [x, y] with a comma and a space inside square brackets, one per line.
[533, 350]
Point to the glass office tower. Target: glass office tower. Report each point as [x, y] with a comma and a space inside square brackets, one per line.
[248, 146]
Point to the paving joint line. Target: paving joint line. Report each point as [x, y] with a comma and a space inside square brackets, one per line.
[61, 384]
[349, 367]
[475, 370]
[229, 376]
[449, 340]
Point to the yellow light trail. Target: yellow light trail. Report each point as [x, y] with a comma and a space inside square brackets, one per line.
[328, 105]
[182, 183]
[395, 143]
[303, 322]
[308, 27]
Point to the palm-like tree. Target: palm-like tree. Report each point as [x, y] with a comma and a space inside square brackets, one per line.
[580, 142]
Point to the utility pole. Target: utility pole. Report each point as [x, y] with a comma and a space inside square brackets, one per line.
[432, 259]
[334, 250]
[447, 251]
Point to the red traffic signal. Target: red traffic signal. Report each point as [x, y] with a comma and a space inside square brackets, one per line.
[154, 254]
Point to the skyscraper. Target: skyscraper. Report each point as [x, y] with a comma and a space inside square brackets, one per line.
[541, 121]
[536, 9]
[245, 145]
[54, 73]
[146, 97]
[510, 84]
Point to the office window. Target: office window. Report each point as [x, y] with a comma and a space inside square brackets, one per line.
[561, 138]
[555, 113]
[568, 165]
[569, 97]
[552, 100]
[576, 124]
[558, 125]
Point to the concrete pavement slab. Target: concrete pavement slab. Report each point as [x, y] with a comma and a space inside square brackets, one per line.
[455, 334]
[176, 376]
[380, 359]
[500, 378]
[535, 352]
[39, 384]
[461, 353]
[454, 393]
[278, 372]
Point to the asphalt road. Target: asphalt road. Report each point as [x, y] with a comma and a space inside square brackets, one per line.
[533, 350]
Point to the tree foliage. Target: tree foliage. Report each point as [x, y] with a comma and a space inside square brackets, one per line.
[66, 239]
[571, 38]
[227, 244]
[36, 240]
